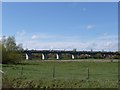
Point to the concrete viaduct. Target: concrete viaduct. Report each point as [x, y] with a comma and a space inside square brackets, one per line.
[58, 53]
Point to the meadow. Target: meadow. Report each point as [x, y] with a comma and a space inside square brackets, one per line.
[62, 74]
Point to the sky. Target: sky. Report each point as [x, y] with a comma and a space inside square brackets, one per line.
[62, 25]
[60, 0]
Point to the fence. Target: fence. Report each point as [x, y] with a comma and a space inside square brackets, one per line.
[55, 71]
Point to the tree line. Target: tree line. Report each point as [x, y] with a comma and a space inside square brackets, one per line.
[11, 52]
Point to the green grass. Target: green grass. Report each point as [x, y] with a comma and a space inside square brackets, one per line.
[101, 73]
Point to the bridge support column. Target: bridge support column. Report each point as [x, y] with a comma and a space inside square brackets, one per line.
[43, 56]
[26, 56]
[57, 56]
[73, 57]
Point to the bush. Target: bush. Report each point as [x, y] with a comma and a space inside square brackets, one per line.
[82, 56]
[98, 56]
[11, 53]
[11, 57]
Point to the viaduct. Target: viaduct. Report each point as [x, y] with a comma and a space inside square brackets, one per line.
[73, 54]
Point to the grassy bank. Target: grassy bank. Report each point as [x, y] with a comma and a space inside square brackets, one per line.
[63, 74]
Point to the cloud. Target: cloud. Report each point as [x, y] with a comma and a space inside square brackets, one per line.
[43, 36]
[21, 33]
[39, 36]
[90, 27]
[102, 45]
[108, 37]
[69, 45]
[107, 42]
[54, 37]
[49, 41]
[34, 37]
[54, 45]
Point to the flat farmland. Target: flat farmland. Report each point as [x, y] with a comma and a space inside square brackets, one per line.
[104, 74]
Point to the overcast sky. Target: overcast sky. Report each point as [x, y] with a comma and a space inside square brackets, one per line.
[84, 26]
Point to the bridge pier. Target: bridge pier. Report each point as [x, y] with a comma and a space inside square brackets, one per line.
[73, 57]
[28, 56]
[43, 56]
[57, 56]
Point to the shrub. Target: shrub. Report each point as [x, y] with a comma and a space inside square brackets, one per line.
[11, 53]
[84, 56]
[11, 57]
[98, 56]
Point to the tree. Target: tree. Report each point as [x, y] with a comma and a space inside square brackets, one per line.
[20, 47]
[83, 56]
[98, 56]
[11, 52]
[10, 44]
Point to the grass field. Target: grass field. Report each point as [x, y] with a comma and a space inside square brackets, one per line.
[78, 74]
